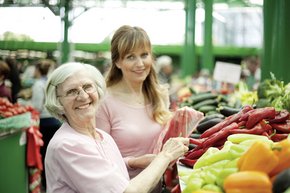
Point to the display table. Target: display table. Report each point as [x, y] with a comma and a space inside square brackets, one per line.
[13, 175]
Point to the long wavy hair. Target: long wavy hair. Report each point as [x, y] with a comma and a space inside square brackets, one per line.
[125, 40]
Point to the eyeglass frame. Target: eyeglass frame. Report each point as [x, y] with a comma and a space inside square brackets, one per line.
[78, 91]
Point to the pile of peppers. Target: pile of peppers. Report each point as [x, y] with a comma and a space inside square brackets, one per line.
[275, 125]
[246, 163]
[256, 173]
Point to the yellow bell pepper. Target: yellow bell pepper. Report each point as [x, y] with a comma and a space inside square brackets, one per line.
[259, 157]
[248, 182]
[282, 150]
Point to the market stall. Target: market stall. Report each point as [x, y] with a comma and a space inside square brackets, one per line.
[20, 142]
[243, 142]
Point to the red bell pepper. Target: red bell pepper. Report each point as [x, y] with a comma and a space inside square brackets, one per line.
[188, 162]
[196, 141]
[260, 114]
[229, 120]
[195, 154]
[283, 127]
[258, 129]
[280, 117]
[220, 135]
[279, 137]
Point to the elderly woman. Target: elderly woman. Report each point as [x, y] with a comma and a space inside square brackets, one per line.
[83, 158]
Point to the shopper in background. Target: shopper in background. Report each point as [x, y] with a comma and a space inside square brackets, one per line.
[48, 125]
[14, 78]
[136, 106]
[5, 91]
[164, 69]
[253, 77]
[82, 158]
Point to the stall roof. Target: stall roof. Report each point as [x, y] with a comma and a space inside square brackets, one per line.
[55, 5]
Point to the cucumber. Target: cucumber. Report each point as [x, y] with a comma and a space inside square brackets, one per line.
[202, 127]
[212, 116]
[228, 111]
[195, 135]
[194, 99]
[207, 108]
[206, 102]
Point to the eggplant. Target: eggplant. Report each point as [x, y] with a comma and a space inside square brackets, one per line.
[282, 182]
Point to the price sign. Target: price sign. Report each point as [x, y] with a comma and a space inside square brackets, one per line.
[227, 72]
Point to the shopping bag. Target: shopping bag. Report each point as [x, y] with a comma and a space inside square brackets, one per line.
[182, 124]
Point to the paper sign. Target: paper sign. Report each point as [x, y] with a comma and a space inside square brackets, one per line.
[227, 72]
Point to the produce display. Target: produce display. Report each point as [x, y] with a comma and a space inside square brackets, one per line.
[228, 144]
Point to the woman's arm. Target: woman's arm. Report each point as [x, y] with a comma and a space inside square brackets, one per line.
[140, 162]
[149, 177]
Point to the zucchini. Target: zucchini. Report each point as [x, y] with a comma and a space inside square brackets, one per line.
[194, 99]
[191, 146]
[202, 127]
[228, 111]
[213, 102]
[212, 116]
[207, 108]
[195, 135]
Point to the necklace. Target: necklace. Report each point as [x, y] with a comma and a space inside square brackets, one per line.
[140, 99]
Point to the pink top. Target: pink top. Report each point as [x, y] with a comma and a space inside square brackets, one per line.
[77, 163]
[132, 128]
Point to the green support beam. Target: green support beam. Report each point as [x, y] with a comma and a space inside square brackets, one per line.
[207, 53]
[65, 46]
[276, 57]
[188, 60]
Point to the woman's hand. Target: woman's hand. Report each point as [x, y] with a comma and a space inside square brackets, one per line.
[175, 147]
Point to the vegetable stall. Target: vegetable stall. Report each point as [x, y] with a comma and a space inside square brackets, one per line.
[20, 142]
[242, 144]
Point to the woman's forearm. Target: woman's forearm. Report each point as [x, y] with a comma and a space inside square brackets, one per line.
[150, 176]
[141, 161]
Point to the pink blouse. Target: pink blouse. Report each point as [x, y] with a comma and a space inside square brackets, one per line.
[132, 128]
[77, 163]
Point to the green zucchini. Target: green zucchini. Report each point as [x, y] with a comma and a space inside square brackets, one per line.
[228, 111]
[213, 102]
[195, 135]
[207, 108]
[194, 99]
[202, 127]
[212, 116]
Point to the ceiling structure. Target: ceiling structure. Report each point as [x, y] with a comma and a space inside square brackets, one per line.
[55, 5]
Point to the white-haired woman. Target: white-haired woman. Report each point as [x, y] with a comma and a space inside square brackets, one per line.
[83, 158]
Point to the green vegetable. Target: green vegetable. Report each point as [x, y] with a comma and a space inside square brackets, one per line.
[212, 102]
[207, 108]
[282, 181]
[194, 99]
[238, 138]
[212, 187]
[277, 94]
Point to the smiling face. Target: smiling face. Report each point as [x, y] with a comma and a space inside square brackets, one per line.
[81, 109]
[136, 65]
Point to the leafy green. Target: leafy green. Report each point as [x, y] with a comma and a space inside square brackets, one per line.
[275, 93]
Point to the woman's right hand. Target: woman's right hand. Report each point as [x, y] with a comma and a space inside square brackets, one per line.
[175, 147]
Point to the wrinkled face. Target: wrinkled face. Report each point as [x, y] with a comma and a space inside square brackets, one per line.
[79, 98]
[136, 65]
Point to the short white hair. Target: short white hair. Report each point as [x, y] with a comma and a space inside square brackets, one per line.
[59, 75]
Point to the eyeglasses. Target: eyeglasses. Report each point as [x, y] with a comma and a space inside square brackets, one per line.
[74, 93]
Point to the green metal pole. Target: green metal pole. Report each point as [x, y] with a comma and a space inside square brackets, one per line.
[207, 52]
[266, 60]
[280, 40]
[188, 64]
[65, 45]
